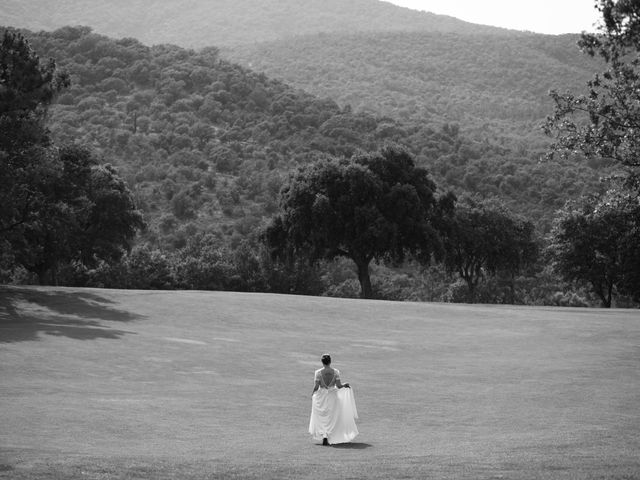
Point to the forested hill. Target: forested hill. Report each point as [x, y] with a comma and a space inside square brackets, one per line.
[199, 23]
[205, 144]
[494, 86]
[369, 54]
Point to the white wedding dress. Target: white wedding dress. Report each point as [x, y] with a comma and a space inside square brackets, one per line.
[333, 411]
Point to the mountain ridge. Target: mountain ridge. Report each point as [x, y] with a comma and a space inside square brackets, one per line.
[369, 54]
[198, 23]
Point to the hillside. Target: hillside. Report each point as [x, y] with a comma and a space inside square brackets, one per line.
[415, 72]
[493, 86]
[369, 54]
[119, 384]
[206, 144]
[200, 23]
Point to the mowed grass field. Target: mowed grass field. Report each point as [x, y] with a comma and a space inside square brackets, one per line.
[109, 384]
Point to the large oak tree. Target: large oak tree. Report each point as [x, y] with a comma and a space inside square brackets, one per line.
[371, 207]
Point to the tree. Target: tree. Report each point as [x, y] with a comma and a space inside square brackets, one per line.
[371, 207]
[26, 89]
[112, 220]
[205, 264]
[604, 122]
[147, 268]
[59, 204]
[598, 243]
[86, 214]
[481, 239]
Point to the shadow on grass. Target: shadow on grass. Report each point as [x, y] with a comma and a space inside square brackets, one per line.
[26, 313]
[352, 446]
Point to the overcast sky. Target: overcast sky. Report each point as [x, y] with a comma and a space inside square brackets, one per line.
[541, 16]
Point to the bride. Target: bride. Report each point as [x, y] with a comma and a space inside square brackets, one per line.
[333, 407]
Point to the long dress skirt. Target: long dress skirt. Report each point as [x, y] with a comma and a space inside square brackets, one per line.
[333, 415]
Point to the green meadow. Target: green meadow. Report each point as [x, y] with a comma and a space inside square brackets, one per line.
[116, 384]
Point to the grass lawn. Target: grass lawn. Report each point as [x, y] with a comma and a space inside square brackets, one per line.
[109, 384]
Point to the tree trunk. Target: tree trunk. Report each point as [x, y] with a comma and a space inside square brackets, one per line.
[605, 298]
[471, 285]
[609, 296]
[471, 294]
[42, 273]
[512, 289]
[365, 280]
[54, 275]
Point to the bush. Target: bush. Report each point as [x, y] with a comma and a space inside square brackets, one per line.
[145, 268]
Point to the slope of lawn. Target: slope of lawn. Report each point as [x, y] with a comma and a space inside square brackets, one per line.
[109, 384]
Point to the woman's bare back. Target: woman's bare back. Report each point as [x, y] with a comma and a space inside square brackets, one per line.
[328, 376]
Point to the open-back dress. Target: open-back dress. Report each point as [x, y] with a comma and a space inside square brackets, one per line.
[333, 411]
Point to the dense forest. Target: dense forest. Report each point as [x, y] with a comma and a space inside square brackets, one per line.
[491, 86]
[468, 101]
[496, 92]
[206, 143]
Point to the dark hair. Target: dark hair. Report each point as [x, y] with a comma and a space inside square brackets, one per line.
[326, 359]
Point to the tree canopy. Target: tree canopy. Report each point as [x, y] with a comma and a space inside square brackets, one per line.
[370, 207]
[604, 121]
[483, 239]
[26, 89]
[597, 242]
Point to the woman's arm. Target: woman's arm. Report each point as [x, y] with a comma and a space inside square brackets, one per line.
[339, 384]
[316, 387]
